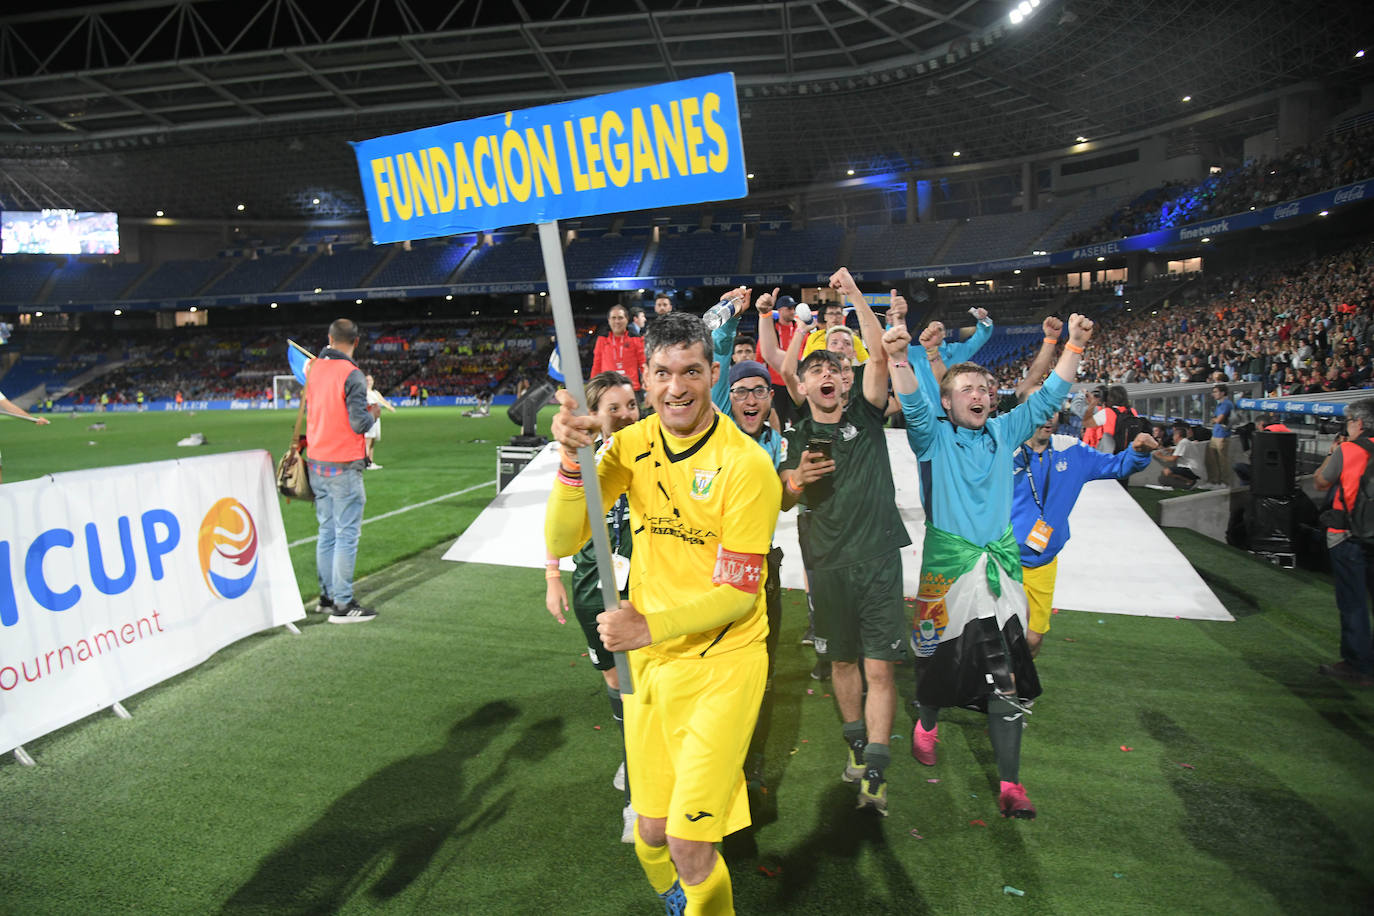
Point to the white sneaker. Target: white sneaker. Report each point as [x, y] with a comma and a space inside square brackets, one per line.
[619, 779]
[374, 467]
[628, 815]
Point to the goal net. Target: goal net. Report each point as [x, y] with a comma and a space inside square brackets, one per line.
[286, 391]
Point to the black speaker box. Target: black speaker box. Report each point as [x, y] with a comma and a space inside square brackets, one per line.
[1273, 523]
[1273, 464]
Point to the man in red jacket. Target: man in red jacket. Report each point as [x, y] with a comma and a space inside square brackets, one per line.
[619, 351]
[337, 415]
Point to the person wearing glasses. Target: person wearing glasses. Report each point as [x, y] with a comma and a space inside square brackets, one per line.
[751, 403]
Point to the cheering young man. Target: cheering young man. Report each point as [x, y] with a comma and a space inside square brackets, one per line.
[837, 467]
[970, 637]
[703, 504]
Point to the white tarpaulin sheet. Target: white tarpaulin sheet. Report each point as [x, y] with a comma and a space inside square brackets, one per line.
[1117, 561]
[114, 579]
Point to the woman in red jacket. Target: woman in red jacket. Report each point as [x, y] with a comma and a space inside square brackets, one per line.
[618, 351]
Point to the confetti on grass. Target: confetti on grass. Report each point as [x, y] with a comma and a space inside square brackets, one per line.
[932, 780]
[1117, 874]
[916, 835]
[1187, 766]
[977, 823]
[1127, 749]
[770, 872]
[1013, 891]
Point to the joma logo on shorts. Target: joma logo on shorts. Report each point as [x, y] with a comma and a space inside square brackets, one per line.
[698, 816]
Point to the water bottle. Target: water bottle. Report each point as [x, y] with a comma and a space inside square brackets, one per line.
[721, 312]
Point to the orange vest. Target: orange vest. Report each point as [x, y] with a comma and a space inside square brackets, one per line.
[328, 434]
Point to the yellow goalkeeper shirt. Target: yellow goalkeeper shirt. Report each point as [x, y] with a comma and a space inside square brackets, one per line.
[693, 503]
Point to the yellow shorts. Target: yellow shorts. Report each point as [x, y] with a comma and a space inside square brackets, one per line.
[687, 728]
[1039, 583]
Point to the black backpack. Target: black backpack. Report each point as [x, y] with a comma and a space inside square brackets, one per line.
[1128, 426]
[1359, 518]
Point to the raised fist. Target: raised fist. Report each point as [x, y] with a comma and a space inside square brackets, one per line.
[933, 335]
[1080, 329]
[842, 280]
[896, 340]
[1145, 443]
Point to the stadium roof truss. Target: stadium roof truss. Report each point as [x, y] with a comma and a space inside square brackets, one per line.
[825, 85]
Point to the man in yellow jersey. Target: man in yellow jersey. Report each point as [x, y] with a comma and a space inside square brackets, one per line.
[832, 317]
[704, 500]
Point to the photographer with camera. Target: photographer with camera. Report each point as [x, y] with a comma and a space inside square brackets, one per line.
[837, 468]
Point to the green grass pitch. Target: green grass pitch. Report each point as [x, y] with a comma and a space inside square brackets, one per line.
[456, 755]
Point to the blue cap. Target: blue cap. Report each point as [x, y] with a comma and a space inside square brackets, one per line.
[748, 369]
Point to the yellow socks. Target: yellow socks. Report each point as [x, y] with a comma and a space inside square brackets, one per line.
[657, 864]
[714, 896]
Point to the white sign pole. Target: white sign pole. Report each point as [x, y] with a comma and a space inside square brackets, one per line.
[552, 247]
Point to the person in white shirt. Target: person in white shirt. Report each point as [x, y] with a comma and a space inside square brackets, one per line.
[374, 434]
[1184, 464]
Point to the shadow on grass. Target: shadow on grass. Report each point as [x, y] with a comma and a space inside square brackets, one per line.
[1238, 814]
[821, 873]
[382, 835]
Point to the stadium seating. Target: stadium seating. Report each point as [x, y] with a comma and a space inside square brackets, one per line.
[900, 245]
[985, 238]
[604, 256]
[512, 261]
[177, 279]
[22, 279]
[346, 268]
[257, 275]
[86, 281]
[1082, 216]
[798, 250]
[698, 252]
[426, 264]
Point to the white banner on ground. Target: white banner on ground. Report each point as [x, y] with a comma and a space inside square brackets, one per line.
[114, 579]
[1118, 561]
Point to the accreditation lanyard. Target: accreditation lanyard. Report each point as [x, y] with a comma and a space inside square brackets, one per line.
[619, 356]
[1048, 456]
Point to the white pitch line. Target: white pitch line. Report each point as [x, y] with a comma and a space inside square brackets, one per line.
[428, 502]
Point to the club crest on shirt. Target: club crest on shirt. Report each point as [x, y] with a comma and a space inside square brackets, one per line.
[1061, 465]
[848, 432]
[703, 479]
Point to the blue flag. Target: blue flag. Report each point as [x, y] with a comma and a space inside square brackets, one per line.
[298, 358]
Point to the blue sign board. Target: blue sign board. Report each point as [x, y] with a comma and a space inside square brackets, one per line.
[664, 145]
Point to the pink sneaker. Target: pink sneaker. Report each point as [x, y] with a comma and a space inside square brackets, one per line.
[923, 744]
[1014, 803]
